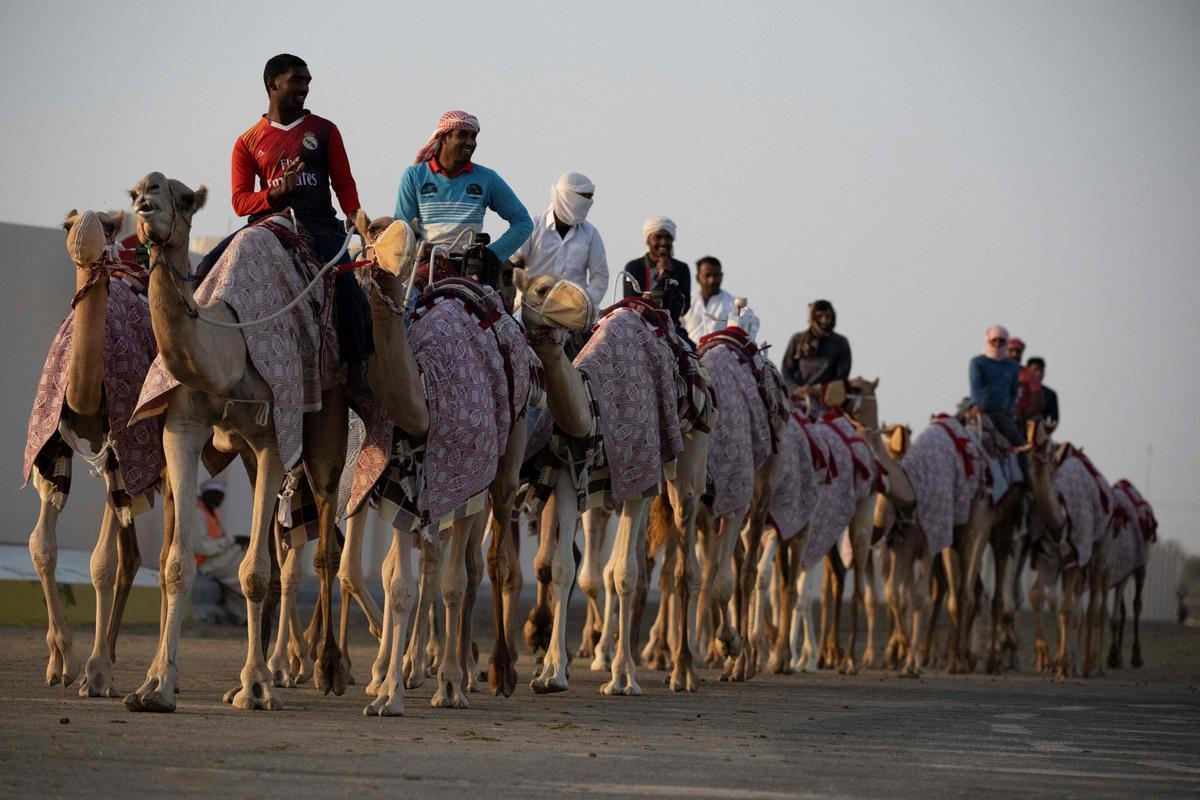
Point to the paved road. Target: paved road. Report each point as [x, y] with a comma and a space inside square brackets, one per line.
[825, 735]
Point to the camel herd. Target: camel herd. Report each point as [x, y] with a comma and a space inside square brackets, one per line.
[477, 420]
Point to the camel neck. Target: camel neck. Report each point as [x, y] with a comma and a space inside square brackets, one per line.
[85, 361]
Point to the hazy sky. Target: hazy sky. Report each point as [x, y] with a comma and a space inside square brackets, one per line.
[931, 168]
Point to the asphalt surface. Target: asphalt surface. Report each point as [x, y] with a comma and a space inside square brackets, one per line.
[823, 735]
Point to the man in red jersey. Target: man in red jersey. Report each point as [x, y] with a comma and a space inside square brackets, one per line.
[296, 156]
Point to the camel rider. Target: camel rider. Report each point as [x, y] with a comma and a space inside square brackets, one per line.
[993, 377]
[817, 355]
[713, 308]
[445, 194]
[1049, 414]
[564, 243]
[296, 156]
[657, 265]
[1029, 386]
[217, 554]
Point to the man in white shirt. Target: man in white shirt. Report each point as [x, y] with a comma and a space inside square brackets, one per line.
[564, 243]
[713, 308]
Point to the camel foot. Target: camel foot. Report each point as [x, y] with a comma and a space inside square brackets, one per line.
[586, 650]
[414, 674]
[621, 684]
[389, 702]
[537, 630]
[156, 695]
[1114, 658]
[502, 679]
[911, 671]
[59, 668]
[300, 665]
[683, 679]
[1136, 661]
[253, 695]
[993, 663]
[330, 670]
[1041, 656]
[97, 679]
[548, 685]
[449, 695]
[848, 667]
[658, 661]
[602, 662]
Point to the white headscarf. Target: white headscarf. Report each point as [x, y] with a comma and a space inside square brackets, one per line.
[656, 224]
[567, 199]
[996, 352]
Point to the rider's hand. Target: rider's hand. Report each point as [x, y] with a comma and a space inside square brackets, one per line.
[281, 192]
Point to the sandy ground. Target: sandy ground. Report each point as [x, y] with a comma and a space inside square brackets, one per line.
[826, 735]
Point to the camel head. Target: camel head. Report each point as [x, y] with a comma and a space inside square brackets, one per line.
[88, 233]
[896, 439]
[860, 395]
[164, 209]
[390, 242]
[551, 302]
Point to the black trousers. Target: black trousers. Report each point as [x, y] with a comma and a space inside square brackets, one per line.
[351, 310]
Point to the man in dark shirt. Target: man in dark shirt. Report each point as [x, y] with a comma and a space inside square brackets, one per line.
[993, 377]
[817, 355]
[295, 156]
[1037, 365]
[657, 265]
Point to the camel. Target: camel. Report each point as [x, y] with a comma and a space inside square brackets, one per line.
[1074, 519]
[847, 507]
[741, 465]
[95, 366]
[410, 404]
[574, 449]
[1136, 530]
[212, 387]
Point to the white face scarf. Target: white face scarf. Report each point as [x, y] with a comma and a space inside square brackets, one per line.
[567, 202]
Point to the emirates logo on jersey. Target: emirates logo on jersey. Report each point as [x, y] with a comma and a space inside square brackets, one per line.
[310, 140]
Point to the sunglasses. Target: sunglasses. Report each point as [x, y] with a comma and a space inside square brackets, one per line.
[998, 340]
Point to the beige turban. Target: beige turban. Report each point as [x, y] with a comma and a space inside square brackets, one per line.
[655, 224]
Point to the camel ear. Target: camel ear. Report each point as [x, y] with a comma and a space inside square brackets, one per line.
[362, 224]
[201, 198]
[72, 215]
[520, 279]
[875, 384]
[112, 224]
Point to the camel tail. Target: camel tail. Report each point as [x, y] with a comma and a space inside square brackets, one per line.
[661, 526]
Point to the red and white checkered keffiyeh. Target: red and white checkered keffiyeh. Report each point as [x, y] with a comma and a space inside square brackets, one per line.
[450, 121]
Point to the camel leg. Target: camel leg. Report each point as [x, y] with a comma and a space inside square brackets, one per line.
[591, 579]
[512, 581]
[916, 591]
[183, 441]
[453, 581]
[638, 609]
[416, 659]
[558, 523]
[626, 562]
[474, 567]
[684, 493]
[655, 653]
[502, 674]
[350, 574]
[280, 664]
[1116, 625]
[398, 604]
[343, 636]
[1139, 580]
[1093, 629]
[129, 561]
[97, 676]
[894, 654]
[383, 655]
[1037, 602]
[725, 638]
[597, 519]
[860, 541]
[786, 563]
[807, 593]
[939, 591]
[1064, 660]
[760, 605]
[831, 608]
[43, 551]
[541, 617]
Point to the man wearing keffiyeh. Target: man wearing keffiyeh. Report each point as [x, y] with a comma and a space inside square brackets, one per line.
[447, 193]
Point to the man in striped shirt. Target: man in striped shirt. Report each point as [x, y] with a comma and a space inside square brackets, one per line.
[446, 193]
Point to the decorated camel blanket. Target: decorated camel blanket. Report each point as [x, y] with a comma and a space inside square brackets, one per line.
[946, 470]
[129, 348]
[1087, 499]
[854, 475]
[478, 374]
[631, 373]
[741, 439]
[801, 470]
[1136, 527]
[265, 268]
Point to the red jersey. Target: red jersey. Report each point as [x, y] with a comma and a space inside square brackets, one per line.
[266, 149]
